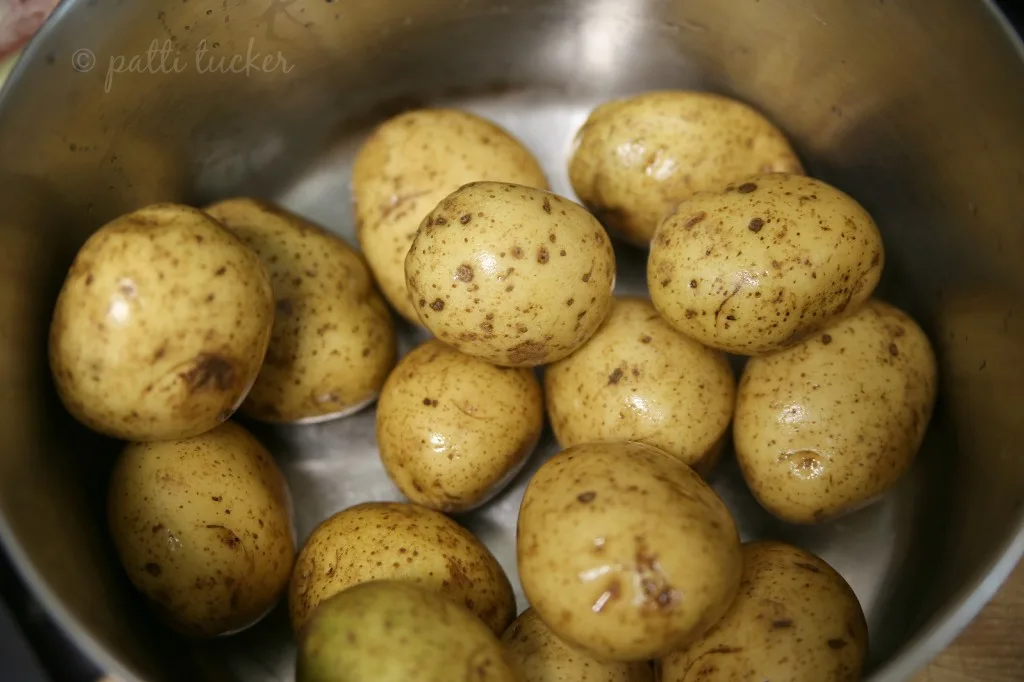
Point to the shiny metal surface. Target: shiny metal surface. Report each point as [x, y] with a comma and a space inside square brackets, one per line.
[913, 107]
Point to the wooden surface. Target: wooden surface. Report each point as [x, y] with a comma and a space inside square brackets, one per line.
[991, 649]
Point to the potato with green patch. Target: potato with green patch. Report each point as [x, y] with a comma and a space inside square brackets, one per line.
[639, 379]
[161, 325]
[542, 657]
[333, 342]
[826, 427]
[764, 263]
[795, 618]
[409, 164]
[513, 275]
[603, 566]
[454, 430]
[397, 541]
[393, 631]
[636, 158]
[203, 528]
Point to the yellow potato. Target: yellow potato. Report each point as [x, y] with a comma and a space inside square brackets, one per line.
[454, 430]
[542, 657]
[203, 528]
[409, 164]
[333, 342]
[636, 158]
[794, 619]
[765, 263]
[639, 379]
[513, 275]
[392, 631]
[829, 425]
[624, 551]
[396, 541]
[161, 325]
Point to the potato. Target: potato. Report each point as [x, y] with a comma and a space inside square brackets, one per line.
[393, 631]
[333, 342]
[763, 264]
[829, 425]
[513, 275]
[454, 430]
[542, 657]
[409, 164]
[639, 379]
[396, 541]
[794, 619]
[636, 158]
[203, 527]
[161, 325]
[624, 551]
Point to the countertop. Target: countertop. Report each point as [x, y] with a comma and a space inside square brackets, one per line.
[991, 649]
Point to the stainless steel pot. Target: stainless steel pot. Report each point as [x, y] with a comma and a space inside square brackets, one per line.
[914, 107]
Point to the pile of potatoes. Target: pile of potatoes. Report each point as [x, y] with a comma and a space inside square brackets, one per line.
[172, 319]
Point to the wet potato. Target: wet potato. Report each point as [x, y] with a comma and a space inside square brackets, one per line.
[639, 379]
[513, 275]
[203, 528]
[409, 164]
[397, 541]
[827, 426]
[763, 264]
[333, 342]
[453, 430]
[393, 631]
[542, 657]
[602, 566]
[636, 158]
[161, 325]
[795, 618]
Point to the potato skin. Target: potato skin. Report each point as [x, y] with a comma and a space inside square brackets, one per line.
[396, 541]
[764, 264]
[794, 619]
[409, 164]
[639, 379]
[203, 527]
[161, 325]
[333, 342]
[604, 569]
[453, 430]
[513, 275]
[827, 426]
[394, 631]
[542, 657]
[636, 158]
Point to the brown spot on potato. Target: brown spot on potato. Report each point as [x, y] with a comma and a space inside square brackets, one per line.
[807, 567]
[153, 569]
[893, 350]
[546, 206]
[723, 649]
[89, 279]
[440, 220]
[526, 352]
[615, 376]
[645, 339]
[542, 255]
[464, 273]
[694, 220]
[755, 225]
[284, 307]
[586, 277]
[437, 305]
[837, 644]
[160, 352]
[158, 527]
[826, 339]
[690, 313]
[517, 252]
[586, 497]
[465, 219]
[210, 371]
[783, 624]
[746, 188]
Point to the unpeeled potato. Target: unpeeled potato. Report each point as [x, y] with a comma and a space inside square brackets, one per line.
[636, 158]
[161, 325]
[409, 164]
[795, 618]
[397, 541]
[333, 342]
